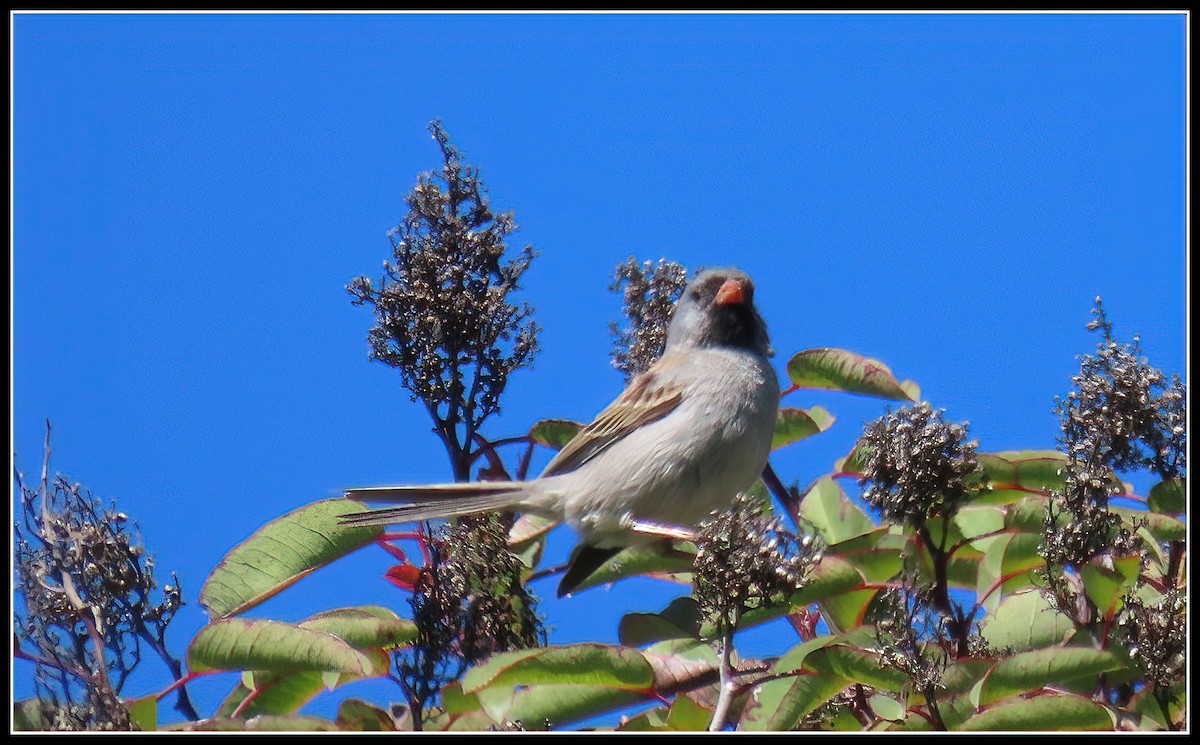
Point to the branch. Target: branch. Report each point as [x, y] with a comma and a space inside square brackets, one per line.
[523, 466]
[547, 572]
[487, 449]
[727, 686]
[21, 654]
[789, 501]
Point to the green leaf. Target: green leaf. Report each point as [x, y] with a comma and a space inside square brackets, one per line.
[554, 433]
[280, 693]
[1031, 671]
[1021, 554]
[886, 707]
[365, 626]
[537, 706]
[793, 659]
[1024, 469]
[845, 612]
[679, 620]
[1048, 711]
[1027, 515]
[782, 704]
[528, 527]
[852, 463]
[841, 370]
[27, 716]
[855, 664]
[1005, 567]
[1026, 620]
[834, 515]
[527, 538]
[292, 723]
[274, 693]
[144, 712]
[1146, 703]
[1105, 587]
[793, 425]
[961, 675]
[962, 569]
[877, 555]
[1000, 497]
[671, 658]
[685, 715]
[954, 710]
[563, 684]
[841, 719]
[1169, 497]
[454, 701]
[281, 553]
[1164, 528]
[358, 716]
[973, 521]
[654, 559]
[832, 578]
[575, 664]
[681, 664]
[240, 644]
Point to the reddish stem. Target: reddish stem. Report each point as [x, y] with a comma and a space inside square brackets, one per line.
[965, 541]
[257, 690]
[182, 681]
[400, 537]
[996, 586]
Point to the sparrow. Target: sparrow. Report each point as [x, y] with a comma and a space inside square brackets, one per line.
[680, 442]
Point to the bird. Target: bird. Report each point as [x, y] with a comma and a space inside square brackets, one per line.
[678, 444]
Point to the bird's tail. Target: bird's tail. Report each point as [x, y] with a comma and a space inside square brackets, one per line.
[432, 501]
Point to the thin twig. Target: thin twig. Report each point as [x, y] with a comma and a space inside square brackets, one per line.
[523, 466]
[493, 445]
[789, 500]
[726, 685]
[21, 654]
[488, 449]
[46, 480]
[548, 571]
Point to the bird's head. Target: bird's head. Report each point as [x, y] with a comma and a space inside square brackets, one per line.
[717, 309]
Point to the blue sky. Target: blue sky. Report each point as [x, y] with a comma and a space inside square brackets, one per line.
[191, 193]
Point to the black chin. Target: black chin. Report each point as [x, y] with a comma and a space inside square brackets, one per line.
[737, 325]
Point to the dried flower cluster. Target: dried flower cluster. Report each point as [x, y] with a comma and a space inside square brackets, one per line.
[88, 605]
[913, 637]
[746, 559]
[1156, 636]
[916, 464]
[649, 292]
[469, 604]
[443, 318]
[1122, 414]
[1078, 523]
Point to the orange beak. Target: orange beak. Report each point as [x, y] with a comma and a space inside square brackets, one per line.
[733, 292]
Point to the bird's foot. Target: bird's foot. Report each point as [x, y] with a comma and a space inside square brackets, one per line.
[657, 529]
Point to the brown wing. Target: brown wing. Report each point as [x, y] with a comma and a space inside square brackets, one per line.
[648, 398]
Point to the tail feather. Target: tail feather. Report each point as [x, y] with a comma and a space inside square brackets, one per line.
[433, 501]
